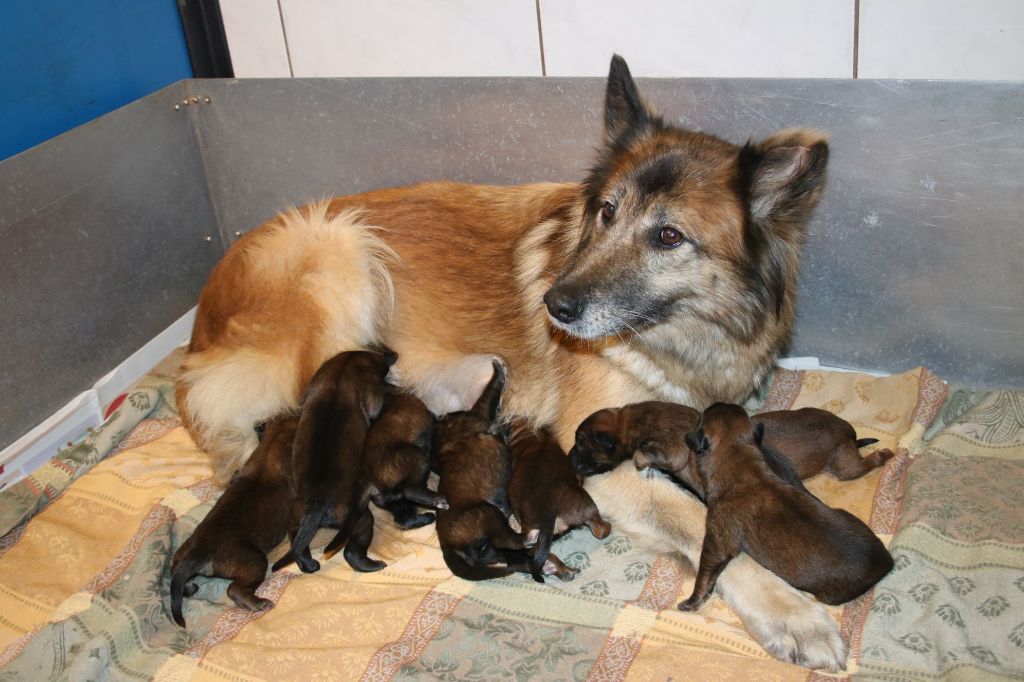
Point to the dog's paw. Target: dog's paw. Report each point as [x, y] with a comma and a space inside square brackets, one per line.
[261, 604]
[812, 642]
[442, 504]
[417, 521]
[514, 524]
[690, 605]
[789, 624]
[308, 565]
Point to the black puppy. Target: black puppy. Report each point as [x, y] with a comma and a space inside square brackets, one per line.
[344, 396]
[247, 522]
[476, 540]
[547, 499]
[396, 465]
[828, 552]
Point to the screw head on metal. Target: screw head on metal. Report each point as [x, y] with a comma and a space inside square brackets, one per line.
[207, 238]
[238, 233]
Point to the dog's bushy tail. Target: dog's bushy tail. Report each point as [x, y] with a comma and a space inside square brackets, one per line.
[863, 442]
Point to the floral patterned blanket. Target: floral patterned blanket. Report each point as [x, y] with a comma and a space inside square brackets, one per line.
[87, 540]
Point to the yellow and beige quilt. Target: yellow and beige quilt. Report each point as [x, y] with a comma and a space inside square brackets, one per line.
[87, 540]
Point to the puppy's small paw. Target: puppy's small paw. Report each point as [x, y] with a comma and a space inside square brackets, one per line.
[442, 504]
[532, 536]
[262, 604]
[690, 605]
[514, 524]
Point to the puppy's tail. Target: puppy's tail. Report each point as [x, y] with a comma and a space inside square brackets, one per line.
[308, 527]
[342, 537]
[467, 571]
[863, 442]
[183, 572]
[542, 549]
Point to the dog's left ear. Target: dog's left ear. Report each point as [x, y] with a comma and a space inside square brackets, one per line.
[624, 109]
[784, 176]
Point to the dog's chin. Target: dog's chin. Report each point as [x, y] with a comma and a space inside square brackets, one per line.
[590, 330]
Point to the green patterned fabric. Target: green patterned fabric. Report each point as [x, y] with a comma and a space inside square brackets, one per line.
[151, 398]
[953, 608]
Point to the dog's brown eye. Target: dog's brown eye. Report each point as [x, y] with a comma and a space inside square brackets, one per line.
[670, 236]
[607, 211]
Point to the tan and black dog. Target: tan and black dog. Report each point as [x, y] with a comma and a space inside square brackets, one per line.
[828, 552]
[809, 440]
[548, 500]
[344, 397]
[396, 465]
[249, 520]
[475, 468]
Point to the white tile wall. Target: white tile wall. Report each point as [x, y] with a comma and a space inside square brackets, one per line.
[413, 37]
[981, 39]
[255, 38]
[795, 38]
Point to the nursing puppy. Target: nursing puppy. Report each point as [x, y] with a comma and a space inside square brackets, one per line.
[344, 396]
[809, 440]
[828, 552]
[249, 520]
[547, 499]
[668, 273]
[474, 465]
[396, 465]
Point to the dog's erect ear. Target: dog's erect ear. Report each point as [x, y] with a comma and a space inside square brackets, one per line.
[623, 107]
[758, 433]
[784, 176]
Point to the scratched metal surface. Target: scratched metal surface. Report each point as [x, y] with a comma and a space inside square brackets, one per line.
[914, 257]
[101, 248]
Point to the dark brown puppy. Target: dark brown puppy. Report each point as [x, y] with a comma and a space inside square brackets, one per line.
[547, 499]
[812, 441]
[828, 552]
[247, 522]
[344, 396]
[396, 465]
[475, 468]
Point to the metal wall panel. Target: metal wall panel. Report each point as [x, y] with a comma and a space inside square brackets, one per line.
[101, 248]
[914, 257]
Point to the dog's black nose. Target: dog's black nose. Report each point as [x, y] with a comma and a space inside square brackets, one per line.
[563, 307]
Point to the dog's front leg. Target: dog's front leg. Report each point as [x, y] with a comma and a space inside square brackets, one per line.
[656, 513]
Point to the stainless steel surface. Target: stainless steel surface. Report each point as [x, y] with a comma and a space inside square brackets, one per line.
[100, 249]
[914, 257]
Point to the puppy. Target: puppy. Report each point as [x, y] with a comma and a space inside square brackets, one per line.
[807, 441]
[548, 500]
[476, 540]
[344, 396]
[396, 465]
[815, 548]
[247, 522]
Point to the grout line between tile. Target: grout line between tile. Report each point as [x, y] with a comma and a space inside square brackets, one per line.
[284, 32]
[856, 35]
[540, 36]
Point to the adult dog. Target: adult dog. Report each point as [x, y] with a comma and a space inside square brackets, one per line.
[669, 273]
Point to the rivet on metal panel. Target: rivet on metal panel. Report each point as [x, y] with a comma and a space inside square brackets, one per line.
[177, 107]
[238, 233]
[207, 238]
[207, 100]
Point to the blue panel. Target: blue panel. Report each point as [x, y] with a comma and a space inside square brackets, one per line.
[65, 62]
